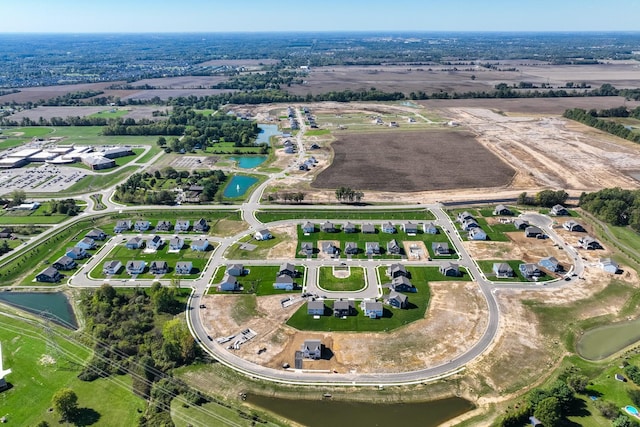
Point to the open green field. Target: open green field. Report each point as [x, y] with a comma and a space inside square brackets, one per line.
[328, 281]
[42, 215]
[37, 374]
[230, 148]
[259, 252]
[122, 254]
[80, 135]
[381, 215]
[427, 274]
[317, 132]
[495, 232]
[112, 113]
[487, 266]
[100, 182]
[363, 122]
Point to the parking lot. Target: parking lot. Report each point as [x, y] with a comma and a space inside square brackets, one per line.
[45, 178]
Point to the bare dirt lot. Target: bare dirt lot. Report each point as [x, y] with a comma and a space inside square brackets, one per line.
[455, 321]
[412, 161]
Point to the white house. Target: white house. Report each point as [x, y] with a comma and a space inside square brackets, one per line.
[176, 243]
[284, 282]
[111, 267]
[184, 267]
[608, 265]
[182, 225]
[312, 349]
[229, 283]
[372, 309]
[135, 267]
[154, 243]
[477, 234]
[200, 245]
[86, 243]
[263, 234]
[141, 225]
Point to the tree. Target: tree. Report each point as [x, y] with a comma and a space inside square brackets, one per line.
[548, 412]
[623, 421]
[578, 382]
[634, 395]
[17, 197]
[65, 403]
[607, 409]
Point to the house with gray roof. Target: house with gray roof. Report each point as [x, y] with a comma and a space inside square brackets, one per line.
[388, 228]
[141, 225]
[184, 267]
[158, 267]
[307, 227]
[111, 267]
[465, 216]
[410, 228]
[122, 225]
[284, 282]
[393, 248]
[395, 270]
[229, 284]
[329, 248]
[368, 229]
[349, 228]
[529, 270]
[469, 224]
[372, 309]
[176, 243]
[164, 226]
[96, 234]
[200, 245]
[327, 227]
[49, 275]
[135, 267]
[574, 226]
[477, 234]
[372, 248]
[263, 234]
[235, 270]
[550, 263]
[201, 226]
[429, 228]
[182, 225]
[343, 308]
[397, 300]
[450, 269]
[86, 243]
[351, 248]
[532, 231]
[502, 210]
[608, 265]
[312, 349]
[402, 284]
[154, 243]
[287, 269]
[306, 248]
[440, 248]
[64, 263]
[559, 210]
[502, 270]
[589, 243]
[315, 308]
[520, 224]
[76, 253]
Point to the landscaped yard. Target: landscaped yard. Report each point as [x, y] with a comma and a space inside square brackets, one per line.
[258, 279]
[343, 279]
[487, 269]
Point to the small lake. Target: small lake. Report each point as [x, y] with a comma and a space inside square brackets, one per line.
[327, 412]
[266, 132]
[248, 162]
[55, 303]
[238, 185]
[598, 343]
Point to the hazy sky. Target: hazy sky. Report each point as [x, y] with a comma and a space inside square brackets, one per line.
[82, 16]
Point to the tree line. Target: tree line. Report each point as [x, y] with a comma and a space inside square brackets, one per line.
[592, 119]
[614, 206]
[346, 194]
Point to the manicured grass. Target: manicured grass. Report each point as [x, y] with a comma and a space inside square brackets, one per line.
[259, 280]
[230, 148]
[110, 114]
[122, 254]
[317, 132]
[150, 154]
[393, 318]
[97, 200]
[420, 275]
[391, 215]
[261, 250]
[329, 282]
[213, 218]
[42, 215]
[34, 381]
[487, 269]
[100, 181]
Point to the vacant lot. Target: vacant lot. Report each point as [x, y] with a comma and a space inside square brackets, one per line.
[132, 112]
[412, 161]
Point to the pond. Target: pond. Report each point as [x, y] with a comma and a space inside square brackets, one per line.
[598, 343]
[327, 412]
[238, 185]
[248, 162]
[55, 303]
[266, 132]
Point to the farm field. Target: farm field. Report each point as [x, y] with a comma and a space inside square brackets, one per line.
[412, 161]
[48, 112]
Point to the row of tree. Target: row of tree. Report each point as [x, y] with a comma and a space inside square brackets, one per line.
[346, 194]
[544, 198]
[614, 206]
[64, 207]
[609, 126]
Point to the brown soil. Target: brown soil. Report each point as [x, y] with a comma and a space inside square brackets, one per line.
[286, 248]
[412, 161]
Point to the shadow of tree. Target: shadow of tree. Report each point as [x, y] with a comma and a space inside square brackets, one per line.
[86, 417]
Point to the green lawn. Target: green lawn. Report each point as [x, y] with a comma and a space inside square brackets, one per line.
[112, 113]
[391, 215]
[259, 280]
[487, 266]
[99, 182]
[317, 132]
[42, 215]
[34, 380]
[262, 247]
[122, 254]
[329, 282]
[421, 275]
[230, 148]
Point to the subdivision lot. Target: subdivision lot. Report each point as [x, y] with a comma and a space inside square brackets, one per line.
[413, 161]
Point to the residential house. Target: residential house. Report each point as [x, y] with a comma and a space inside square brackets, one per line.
[96, 234]
[135, 267]
[287, 269]
[410, 228]
[229, 283]
[200, 245]
[529, 270]
[343, 308]
[502, 210]
[154, 243]
[111, 267]
[393, 248]
[284, 282]
[402, 284]
[397, 270]
[469, 224]
[289, 149]
[327, 227]
[477, 234]
[388, 228]
[312, 349]
[520, 224]
[6, 233]
[164, 226]
[368, 229]
[349, 228]
[263, 234]
[307, 227]
[122, 225]
[550, 263]
[559, 210]
[502, 270]
[589, 243]
[142, 225]
[465, 216]
[315, 308]
[372, 309]
[572, 225]
[86, 243]
[201, 226]
[64, 263]
[450, 269]
[350, 248]
[135, 243]
[184, 267]
[306, 248]
[176, 243]
[429, 228]
[440, 248]
[329, 248]
[76, 253]
[158, 267]
[235, 270]
[607, 264]
[532, 231]
[49, 275]
[397, 300]
[372, 248]
[182, 225]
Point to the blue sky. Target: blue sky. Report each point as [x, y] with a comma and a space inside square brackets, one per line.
[83, 16]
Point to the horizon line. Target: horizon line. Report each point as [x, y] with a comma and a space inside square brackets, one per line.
[617, 31]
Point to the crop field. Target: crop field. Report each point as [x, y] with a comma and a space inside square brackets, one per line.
[412, 161]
